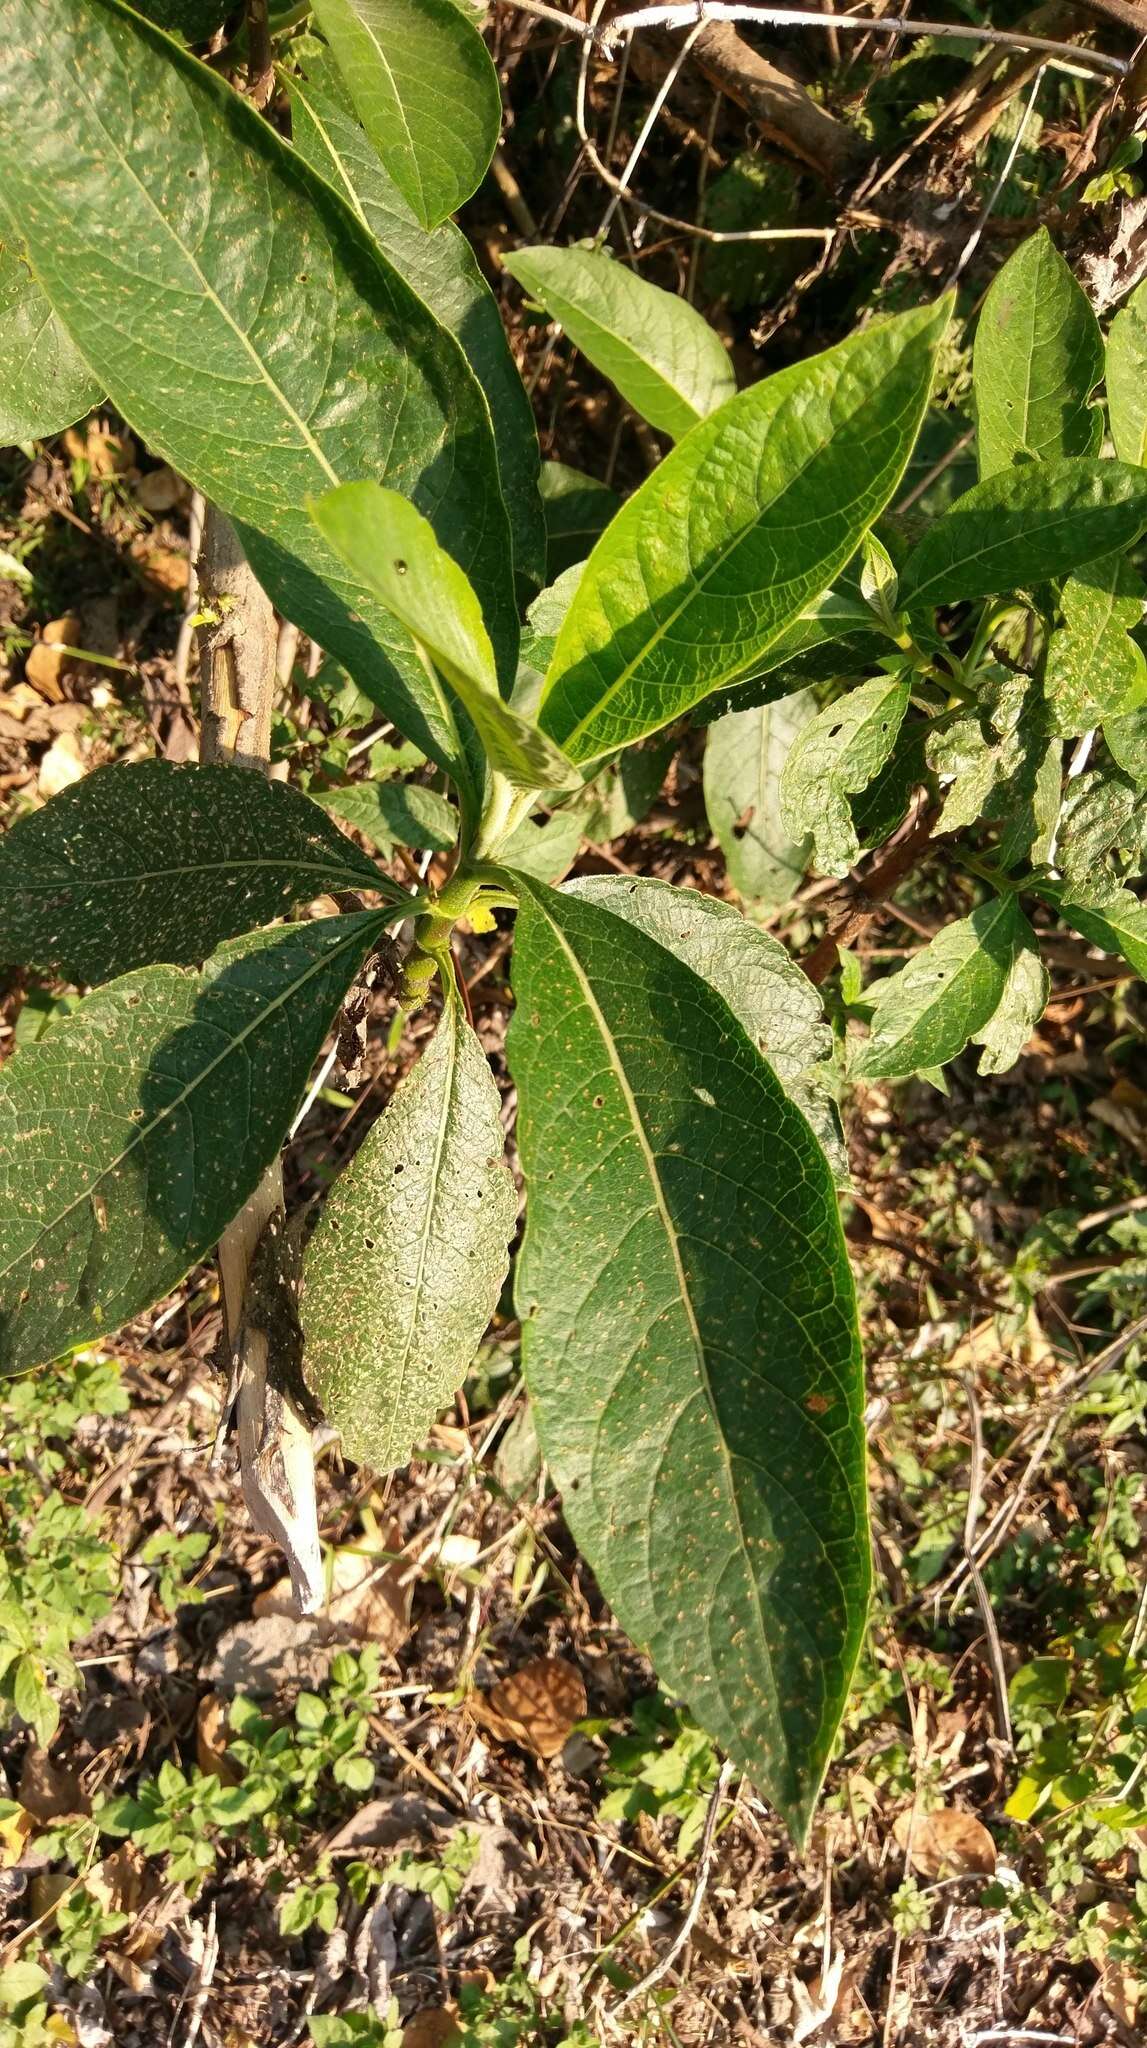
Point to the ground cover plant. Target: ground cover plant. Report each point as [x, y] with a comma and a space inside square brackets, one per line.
[880, 608]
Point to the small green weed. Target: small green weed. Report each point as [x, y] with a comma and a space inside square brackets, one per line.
[667, 1768]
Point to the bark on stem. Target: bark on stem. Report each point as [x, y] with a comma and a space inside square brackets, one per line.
[237, 647]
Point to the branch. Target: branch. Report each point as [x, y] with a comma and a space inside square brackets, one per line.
[872, 895]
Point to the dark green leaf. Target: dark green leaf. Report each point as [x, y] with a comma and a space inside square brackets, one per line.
[744, 755]
[406, 1266]
[1024, 526]
[1038, 357]
[392, 551]
[392, 814]
[736, 533]
[195, 20]
[1094, 670]
[134, 1132]
[576, 510]
[835, 755]
[879, 809]
[425, 91]
[925, 1014]
[260, 341]
[45, 384]
[689, 1337]
[664, 358]
[1127, 378]
[444, 271]
[149, 862]
[1019, 1009]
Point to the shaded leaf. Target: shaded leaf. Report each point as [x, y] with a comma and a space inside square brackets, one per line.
[1020, 1007]
[576, 509]
[393, 813]
[925, 1014]
[836, 754]
[1094, 669]
[110, 1192]
[405, 1268]
[145, 862]
[735, 534]
[744, 755]
[392, 551]
[425, 91]
[664, 358]
[259, 380]
[1037, 359]
[1120, 926]
[1126, 378]
[443, 269]
[45, 383]
[545, 850]
[193, 19]
[1021, 527]
[700, 1410]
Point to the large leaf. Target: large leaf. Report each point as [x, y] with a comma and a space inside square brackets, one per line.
[45, 383]
[444, 271]
[1094, 670]
[835, 755]
[1023, 526]
[1038, 357]
[406, 1266]
[425, 91]
[736, 533]
[151, 862]
[689, 1337]
[245, 323]
[392, 551]
[194, 19]
[137, 1128]
[1119, 925]
[926, 1013]
[744, 755]
[1126, 377]
[663, 357]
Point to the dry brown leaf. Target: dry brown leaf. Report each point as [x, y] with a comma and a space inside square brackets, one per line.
[947, 1843]
[46, 1890]
[15, 1829]
[1121, 1990]
[212, 1726]
[536, 1706]
[161, 490]
[368, 1599]
[20, 700]
[47, 1789]
[106, 452]
[62, 765]
[434, 2027]
[162, 566]
[46, 661]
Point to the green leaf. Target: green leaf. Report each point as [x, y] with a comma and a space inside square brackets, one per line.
[1037, 359]
[45, 383]
[576, 509]
[924, 1015]
[195, 20]
[689, 1338]
[1103, 814]
[147, 862]
[1020, 1007]
[1023, 526]
[992, 753]
[392, 551]
[1126, 377]
[664, 358]
[1127, 743]
[1094, 670]
[442, 268]
[1120, 926]
[260, 340]
[545, 850]
[425, 91]
[405, 1268]
[134, 1132]
[836, 755]
[736, 533]
[392, 814]
[744, 755]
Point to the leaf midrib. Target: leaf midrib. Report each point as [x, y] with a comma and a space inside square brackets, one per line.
[359, 22]
[129, 878]
[448, 1103]
[1004, 908]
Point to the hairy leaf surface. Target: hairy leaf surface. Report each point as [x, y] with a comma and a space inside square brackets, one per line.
[1126, 378]
[45, 383]
[689, 1337]
[443, 269]
[137, 1128]
[1038, 356]
[405, 1268]
[835, 755]
[925, 1014]
[736, 533]
[1024, 526]
[744, 755]
[146, 862]
[664, 358]
[247, 326]
[425, 91]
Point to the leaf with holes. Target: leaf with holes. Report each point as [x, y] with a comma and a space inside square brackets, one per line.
[736, 533]
[835, 755]
[405, 1268]
[45, 383]
[136, 1129]
[425, 91]
[925, 1014]
[658, 350]
[744, 755]
[247, 326]
[147, 862]
[689, 1337]
[1021, 527]
[1037, 359]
